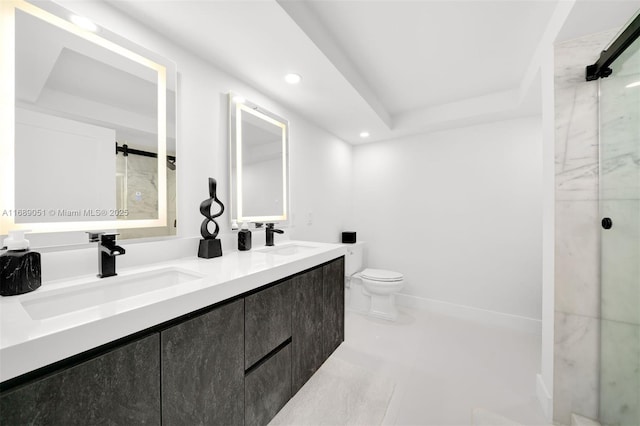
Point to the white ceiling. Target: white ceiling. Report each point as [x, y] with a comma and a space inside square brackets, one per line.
[406, 50]
[390, 67]
[594, 16]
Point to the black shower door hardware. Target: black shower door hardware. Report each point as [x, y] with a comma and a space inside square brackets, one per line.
[601, 67]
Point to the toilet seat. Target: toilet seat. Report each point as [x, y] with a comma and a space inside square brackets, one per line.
[381, 275]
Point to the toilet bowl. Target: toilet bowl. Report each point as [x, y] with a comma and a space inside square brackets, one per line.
[382, 285]
[370, 291]
[358, 300]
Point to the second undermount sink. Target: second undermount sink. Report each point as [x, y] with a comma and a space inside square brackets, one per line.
[286, 250]
[96, 292]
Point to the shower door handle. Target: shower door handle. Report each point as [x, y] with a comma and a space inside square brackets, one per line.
[607, 223]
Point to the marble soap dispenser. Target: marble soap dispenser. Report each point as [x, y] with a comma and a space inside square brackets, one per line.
[244, 238]
[19, 267]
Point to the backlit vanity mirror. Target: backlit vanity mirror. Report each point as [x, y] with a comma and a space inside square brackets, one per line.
[88, 127]
[259, 163]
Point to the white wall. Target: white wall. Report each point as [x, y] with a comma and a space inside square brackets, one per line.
[262, 188]
[63, 168]
[458, 212]
[321, 183]
[320, 163]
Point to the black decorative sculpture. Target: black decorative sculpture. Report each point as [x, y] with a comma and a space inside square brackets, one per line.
[209, 245]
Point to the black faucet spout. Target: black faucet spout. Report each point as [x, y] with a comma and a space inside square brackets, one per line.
[112, 250]
[269, 231]
[108, 250]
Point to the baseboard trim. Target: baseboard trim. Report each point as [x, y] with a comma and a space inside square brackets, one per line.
[485, 316]
[544, 398]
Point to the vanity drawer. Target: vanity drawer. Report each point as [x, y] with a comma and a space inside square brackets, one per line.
[267, 387]
[267, 321]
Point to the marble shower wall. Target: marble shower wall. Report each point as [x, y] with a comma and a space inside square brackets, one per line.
[577, 247]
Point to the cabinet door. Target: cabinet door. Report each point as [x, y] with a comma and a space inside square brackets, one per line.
[120, 387]
[306, 323]
[267, 321]
[333, 304]
[268, 388]
[203, 369]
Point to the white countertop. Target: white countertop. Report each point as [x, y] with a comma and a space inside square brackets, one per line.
[27, 344]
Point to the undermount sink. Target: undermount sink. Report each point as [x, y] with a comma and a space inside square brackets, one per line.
[99, 291]
[286, 250]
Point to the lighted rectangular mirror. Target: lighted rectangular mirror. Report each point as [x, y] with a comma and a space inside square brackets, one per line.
[87, 133]
[259, 163]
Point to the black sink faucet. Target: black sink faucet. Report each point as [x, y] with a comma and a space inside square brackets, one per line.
[107, 252]
[269, 233]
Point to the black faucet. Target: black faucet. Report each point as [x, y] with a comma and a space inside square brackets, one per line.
[269, 233]
[107, 252]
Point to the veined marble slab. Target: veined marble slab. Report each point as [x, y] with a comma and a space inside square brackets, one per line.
[576, 365]
[577, 273]
[576, 116]
[620, 256]
[620, 133]
[620, 374]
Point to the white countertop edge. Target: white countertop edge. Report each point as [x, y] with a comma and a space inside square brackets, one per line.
[26, 354]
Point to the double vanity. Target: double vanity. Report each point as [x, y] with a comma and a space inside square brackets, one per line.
[193, 341]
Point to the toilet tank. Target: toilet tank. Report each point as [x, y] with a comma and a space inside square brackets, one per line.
[354, 258]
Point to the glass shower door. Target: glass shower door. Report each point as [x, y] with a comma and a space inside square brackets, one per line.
[620, 239]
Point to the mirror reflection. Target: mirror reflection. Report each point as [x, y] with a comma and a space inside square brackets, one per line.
[94, 131]
[259, 163]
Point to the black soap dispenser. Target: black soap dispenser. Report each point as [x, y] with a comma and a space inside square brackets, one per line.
[244, 238]
[19, 267]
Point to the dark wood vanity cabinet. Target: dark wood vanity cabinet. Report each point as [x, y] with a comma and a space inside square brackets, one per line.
[306, 317]
[307, 309]
[317, 319]
[333, 306]
[203, 369]
[267, 321]
[234, 363]
[120, 387]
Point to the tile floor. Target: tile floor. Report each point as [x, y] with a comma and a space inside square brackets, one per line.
[444, 367]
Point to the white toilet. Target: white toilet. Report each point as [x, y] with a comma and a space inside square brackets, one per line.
[371, 291]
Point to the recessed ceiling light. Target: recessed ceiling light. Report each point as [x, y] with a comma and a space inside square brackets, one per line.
[364, 134]
[239, 99]
[292, 78]
[634, 84]
[84, 23]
